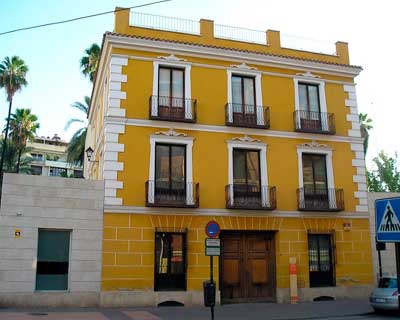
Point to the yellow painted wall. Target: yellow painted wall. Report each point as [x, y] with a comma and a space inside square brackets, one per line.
[210, 167]
[128, 248]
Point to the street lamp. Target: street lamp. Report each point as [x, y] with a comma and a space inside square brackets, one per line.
[89, 153]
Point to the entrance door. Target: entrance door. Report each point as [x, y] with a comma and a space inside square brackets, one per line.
[320, 260]
[247, 271]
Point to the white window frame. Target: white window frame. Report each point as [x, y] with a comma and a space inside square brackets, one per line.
[329, 170]
[262, 148]
[186, 141]
[257, 76]
[188, 88]
[321, 93]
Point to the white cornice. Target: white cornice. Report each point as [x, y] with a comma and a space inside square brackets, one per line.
[230, 130]
[231, 55]
[227, 212]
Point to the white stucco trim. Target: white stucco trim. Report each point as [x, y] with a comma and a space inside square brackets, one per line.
[188, 89]
[262, 148]
[321, 92]
[352, 117]
[188, 142]
[252, 73]
[329, 168]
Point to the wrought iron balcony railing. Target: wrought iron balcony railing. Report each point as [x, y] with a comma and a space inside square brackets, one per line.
[246, 115]
[172, 109]
[310, 199]
[314, 122]
[172, 194]
[244, 196]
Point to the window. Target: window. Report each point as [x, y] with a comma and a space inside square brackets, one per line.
[243, 94]
[170, 173]
[78, 174]
[320, 255]
[309, 97]
[171, 92]
[36, 170]
[52, 260]
[315, 181]
[170, 261]
[37, 156]
[58, 172]
[246, 174]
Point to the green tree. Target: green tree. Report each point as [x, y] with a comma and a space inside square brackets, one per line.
[76, 146]
[90, 61]
[11, 157]
[12, 78]
[386, 175]
[365, 127]
[23, 126]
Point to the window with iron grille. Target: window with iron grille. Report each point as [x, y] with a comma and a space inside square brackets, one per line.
[58, 172]
[321, 256]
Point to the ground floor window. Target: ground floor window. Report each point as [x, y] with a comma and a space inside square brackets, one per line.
[52, 260]
[36, 170]
[170, 261]
[58, 172]
[321, 256]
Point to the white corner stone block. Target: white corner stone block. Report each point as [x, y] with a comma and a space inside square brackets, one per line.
[115, 128]
[360, 155]
[357, 147]
[113, 166]
[113, 184]
[115, 85]
[351, 103]
[363, 201]
[110, 175]
[362, 186]
[355, 125]
[112, 146]
[110, 156]
[359, 178]
[115, 68]
[358, 163]
[113, 201]
[111, 137]
[116, 112]
[362, 208]
[119, 61]
[110, 192]
[354, 110]
[352, 118]
[361, 170]
[117, 94]
[114, 103]
[352, 95]
[118, 77]
[360, 194]
[349, 88]
[354, 133]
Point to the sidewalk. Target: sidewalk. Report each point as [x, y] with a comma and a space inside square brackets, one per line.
[270, 311]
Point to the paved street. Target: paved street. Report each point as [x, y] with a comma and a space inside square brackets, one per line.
[344, 309]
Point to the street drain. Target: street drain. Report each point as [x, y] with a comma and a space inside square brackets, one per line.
[38, 314]
[170, 303]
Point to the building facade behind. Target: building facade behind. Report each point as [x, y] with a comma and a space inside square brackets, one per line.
[189, 123]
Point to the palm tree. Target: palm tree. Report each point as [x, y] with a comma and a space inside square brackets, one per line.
[10, 158]
[23, 126]
[76, 146]
[12, 77]
[90, 61]
[365, 126]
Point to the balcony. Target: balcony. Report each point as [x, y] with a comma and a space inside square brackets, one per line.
[246, 115]
[314, 122]
[172, 109]
[320, 199]
[243, 196]
[172, 194]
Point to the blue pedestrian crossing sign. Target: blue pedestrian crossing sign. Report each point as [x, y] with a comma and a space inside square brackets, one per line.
[387, 219]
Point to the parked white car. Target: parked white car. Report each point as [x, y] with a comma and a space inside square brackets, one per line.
[386, 295]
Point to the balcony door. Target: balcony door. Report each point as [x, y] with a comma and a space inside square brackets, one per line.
[243, 99]
[315, 183]
[170, 174]
[310, 110]
[246, 177]
[171, 92]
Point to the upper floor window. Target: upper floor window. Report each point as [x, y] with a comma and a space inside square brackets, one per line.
[309, 97]
[171, 98]
[243, 94]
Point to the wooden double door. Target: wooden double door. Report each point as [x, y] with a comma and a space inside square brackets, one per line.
[247, 267]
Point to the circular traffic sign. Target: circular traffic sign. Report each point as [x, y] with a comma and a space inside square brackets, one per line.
[212, 229]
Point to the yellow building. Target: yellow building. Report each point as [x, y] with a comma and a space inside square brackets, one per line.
[193, 121]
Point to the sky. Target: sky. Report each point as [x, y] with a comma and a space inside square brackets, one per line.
[53, 53]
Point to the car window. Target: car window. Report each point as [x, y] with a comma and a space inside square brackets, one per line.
[389, 283]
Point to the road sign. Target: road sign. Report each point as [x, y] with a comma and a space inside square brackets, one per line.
[213, 247]
[387, 219]
[212, 229]
[213, 242]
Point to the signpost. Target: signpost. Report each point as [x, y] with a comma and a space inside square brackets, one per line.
[387, 222]
[212, 248]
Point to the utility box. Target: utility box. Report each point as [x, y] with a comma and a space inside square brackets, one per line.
[209, 293]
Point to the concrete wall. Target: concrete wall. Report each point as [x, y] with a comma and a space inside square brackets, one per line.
[389, 255]
[33, 202]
